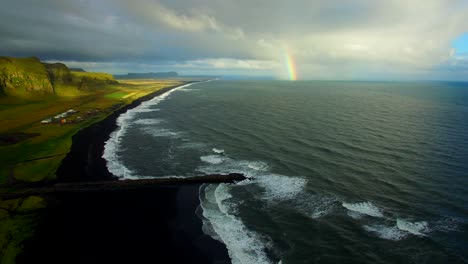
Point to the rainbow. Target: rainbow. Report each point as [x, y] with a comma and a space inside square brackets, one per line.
[291, 66]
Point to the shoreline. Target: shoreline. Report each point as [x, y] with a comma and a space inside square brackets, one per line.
[128, 226]
[84, 162]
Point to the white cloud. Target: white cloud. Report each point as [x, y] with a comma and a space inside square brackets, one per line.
[190, 20]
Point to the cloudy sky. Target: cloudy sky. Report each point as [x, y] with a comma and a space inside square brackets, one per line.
[327, 39]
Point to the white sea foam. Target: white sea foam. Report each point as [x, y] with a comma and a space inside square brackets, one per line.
[113, 159]
[354, 215]
[399, 231]
[244, 245]
[415, 228]
[223, 165]
[366, 208]
[258, 166]
[280, 187]
[112, 146]
[146, 110]
[213, 159]
[161, 132]
[218, 151]
[386, 232]
[148, 121]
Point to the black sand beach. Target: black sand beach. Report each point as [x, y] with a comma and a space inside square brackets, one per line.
[144, 226]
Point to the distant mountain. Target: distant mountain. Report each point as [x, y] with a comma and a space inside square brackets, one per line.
[29, 77]
[148, 75]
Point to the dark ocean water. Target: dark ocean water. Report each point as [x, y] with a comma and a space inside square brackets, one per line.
[343, 172]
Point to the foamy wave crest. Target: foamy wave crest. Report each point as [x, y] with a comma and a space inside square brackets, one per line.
[366, 208]
[354, 215]
[415, 228]
[148, 121]
[113, 145]
[213, 159]
[244, 245]
[111, 155]
[258, 166]
[161, 132]
[386, 232]
[218, 151]
[400, 231]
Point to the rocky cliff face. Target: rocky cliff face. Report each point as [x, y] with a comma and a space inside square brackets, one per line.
[24, 77]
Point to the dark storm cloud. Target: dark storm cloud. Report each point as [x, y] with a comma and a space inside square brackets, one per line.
[86, 30]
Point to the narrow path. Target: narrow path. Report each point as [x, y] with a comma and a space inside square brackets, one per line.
[46, 157]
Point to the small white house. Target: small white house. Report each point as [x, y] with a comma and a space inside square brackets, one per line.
[46, 121]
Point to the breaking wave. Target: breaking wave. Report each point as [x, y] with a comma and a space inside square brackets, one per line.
[149, 121]
[213, 159]
[366, 208]
[415, 228]
[218, 151]
[244, 245]
[386, 232]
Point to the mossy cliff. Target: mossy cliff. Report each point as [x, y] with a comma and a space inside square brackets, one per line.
[29, 77]
[89, 81]
[58, 73]
[24, 77]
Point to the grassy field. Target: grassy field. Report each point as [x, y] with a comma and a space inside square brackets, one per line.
[18, 219]
[25, 115]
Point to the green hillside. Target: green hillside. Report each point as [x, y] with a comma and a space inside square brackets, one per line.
[29, 78]
[24, 77]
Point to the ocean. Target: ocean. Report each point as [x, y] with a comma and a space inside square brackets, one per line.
[341, 172]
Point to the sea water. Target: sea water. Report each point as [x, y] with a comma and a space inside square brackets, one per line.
[341, 172]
